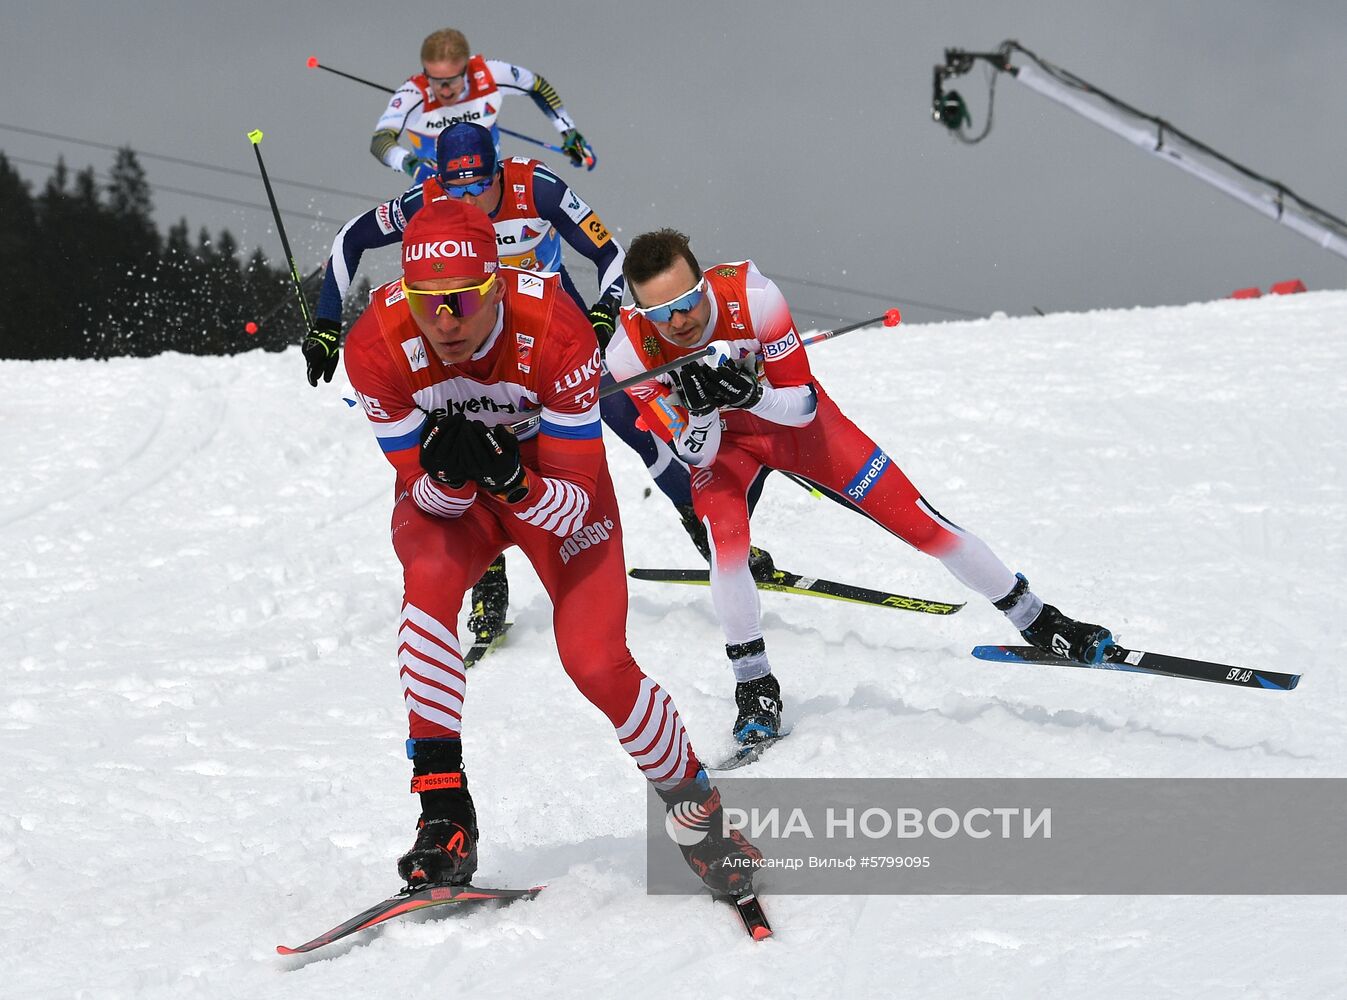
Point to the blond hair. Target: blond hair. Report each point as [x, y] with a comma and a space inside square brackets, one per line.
[445, 45]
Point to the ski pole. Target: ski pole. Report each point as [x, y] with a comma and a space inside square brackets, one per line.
[657, 371]
[802, 483]
[891, 317]
[255, 137]
[528, 138]
[315, 64]
[519, 426]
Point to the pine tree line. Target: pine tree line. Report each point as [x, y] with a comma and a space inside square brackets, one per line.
[88, 275]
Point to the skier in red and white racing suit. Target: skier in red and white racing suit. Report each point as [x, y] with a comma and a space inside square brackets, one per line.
[444, 362]
[762, 407]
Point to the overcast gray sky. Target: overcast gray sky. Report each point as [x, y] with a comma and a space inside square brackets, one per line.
[796, 134]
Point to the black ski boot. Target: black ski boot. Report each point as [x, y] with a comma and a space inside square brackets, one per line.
[490, 601]
[761, 564]
[759, 702]
[446, 834]
[724, 860]
[1065, 637]
[695, 529]
[445, 851]
[1052, 631]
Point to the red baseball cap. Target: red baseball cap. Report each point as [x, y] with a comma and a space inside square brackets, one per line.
[448, 239]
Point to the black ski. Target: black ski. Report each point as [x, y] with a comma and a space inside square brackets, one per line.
[1159, 664]
[409, 900]
[748, 753]
[485, 643]
[793, 583]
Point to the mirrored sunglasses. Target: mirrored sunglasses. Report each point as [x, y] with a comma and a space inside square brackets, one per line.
[459, 190]
[686, 302]
[460, 302]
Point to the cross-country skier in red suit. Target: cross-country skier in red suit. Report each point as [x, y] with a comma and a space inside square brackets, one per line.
[444, 361]
[761, 406]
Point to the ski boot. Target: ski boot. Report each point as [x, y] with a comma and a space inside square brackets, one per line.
[759, 702]
[1068, 638]
[1052, 631]
[724, 860]
[490, 601]
[445, 851]
[695, 529]
[761, 564]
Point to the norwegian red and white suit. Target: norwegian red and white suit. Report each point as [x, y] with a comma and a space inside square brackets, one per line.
[795, 427]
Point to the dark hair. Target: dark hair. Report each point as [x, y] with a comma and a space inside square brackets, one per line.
[655, 252]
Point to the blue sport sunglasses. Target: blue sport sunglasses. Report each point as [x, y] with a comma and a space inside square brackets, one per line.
[686, 302]
[474, 189]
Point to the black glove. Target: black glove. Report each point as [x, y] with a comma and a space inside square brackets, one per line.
[443, 448]
[581, 153]
[412, 164]
[732, 386]
[695, 383]
[491, 456]
[706, 388]
[603, 317]
[320, 350]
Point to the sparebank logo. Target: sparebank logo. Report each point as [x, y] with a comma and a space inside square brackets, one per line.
[866, 478]
[441, 249]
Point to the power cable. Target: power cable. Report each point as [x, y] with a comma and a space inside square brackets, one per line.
[182, 191]
[199, 164]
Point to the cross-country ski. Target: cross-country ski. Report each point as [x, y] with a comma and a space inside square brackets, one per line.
[446, 897]
[783, 582]
[1158, 664]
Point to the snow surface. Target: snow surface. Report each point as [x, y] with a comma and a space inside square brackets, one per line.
[202, 729]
